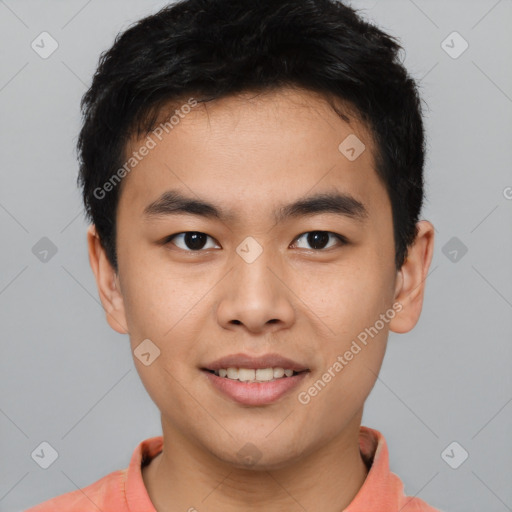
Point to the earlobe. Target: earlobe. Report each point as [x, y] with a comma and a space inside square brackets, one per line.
[411, 279]
[107, 283]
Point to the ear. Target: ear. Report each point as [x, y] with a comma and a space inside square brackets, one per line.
[410, 282]
[108, 283]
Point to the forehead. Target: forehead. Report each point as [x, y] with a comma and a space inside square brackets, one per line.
[254, 147]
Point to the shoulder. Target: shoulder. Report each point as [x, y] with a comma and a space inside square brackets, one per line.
[107, 493]
[382, 490]
[417, 505]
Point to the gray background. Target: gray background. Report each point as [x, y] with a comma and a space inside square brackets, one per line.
[68, 379]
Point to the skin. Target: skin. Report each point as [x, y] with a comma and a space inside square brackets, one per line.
[250, 154]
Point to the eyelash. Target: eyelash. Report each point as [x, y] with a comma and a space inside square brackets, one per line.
[340, 238]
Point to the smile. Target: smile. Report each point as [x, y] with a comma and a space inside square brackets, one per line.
[249, 386]
[254, 374]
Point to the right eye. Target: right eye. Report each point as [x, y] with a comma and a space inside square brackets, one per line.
[192, 241]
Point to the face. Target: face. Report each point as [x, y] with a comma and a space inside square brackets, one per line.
[250, 278]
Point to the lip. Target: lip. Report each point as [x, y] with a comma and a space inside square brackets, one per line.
[247, 361]
[254, 393]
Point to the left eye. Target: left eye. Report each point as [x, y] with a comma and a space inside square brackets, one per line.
[195, 240]
[319, 239]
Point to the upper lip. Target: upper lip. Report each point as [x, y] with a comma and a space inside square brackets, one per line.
[247, 361]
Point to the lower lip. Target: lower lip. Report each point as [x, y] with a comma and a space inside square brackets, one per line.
[255, 393]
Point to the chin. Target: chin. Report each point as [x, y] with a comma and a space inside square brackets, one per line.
[252, 456]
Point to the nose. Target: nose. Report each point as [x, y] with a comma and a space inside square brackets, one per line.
[256, 297]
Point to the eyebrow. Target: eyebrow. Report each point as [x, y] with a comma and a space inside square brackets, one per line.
[173, 202]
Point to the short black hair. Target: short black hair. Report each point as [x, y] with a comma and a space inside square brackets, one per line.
[209, 49]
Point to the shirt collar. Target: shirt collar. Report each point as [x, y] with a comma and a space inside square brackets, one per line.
[382, 490]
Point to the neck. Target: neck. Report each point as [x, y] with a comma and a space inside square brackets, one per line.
[184, 477]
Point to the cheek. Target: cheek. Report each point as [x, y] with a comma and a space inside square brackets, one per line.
[350, 367]
[351, 305]
[348, 297]
[166, 310]
[159, 297]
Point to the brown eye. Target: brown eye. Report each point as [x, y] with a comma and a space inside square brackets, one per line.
[318, 240]
[190, 240]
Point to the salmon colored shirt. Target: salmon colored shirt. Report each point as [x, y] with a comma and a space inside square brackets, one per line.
[124, 490]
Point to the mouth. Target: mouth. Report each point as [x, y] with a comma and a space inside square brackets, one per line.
[254, 374]
[254, 381]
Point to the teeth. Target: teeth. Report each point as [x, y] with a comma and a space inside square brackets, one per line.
[278, 373]
[264, 374]
[232, 373]
[252, 375]
[245, 374]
